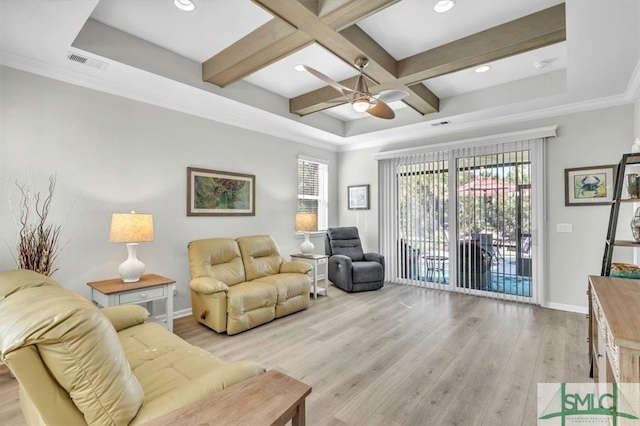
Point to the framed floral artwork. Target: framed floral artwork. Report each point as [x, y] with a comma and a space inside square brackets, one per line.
[216, 193]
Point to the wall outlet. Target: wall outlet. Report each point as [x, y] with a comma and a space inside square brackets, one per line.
[564, 227]
[174, 289]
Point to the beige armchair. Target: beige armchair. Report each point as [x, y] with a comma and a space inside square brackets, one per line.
[240, 284]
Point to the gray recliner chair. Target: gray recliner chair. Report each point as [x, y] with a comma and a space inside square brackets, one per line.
[349, 267]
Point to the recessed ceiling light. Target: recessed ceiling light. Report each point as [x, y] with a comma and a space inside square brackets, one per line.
[299, 67]
[483, 68]
[444, 6]
[186, 5]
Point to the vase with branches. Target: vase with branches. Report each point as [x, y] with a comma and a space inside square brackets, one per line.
[37, 241]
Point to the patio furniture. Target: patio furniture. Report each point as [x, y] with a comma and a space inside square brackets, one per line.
[523, 262]
[474, 266]
[408, 260]
[436, 266]
[486, 242]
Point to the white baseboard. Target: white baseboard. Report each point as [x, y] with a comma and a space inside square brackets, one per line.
[568, 308]
[182, 313]
[176, 314]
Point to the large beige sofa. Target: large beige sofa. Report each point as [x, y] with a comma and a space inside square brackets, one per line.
[78, 365]
[240, 284]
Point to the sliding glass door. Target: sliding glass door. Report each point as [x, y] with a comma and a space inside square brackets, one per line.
[463, 220]
[493, 216]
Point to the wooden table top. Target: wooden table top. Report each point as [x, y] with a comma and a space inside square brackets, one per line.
[619, 299]
[116, 285]
[267, 399]
[310, 256]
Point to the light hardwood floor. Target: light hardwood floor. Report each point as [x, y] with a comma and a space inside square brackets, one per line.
[404, 355]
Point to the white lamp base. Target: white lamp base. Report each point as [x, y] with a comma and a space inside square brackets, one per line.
[307, 246]
[131, 269]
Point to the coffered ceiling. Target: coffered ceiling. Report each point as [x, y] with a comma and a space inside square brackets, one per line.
[233, 60]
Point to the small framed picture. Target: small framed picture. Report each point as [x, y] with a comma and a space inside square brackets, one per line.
[216, 193]
[589, 186]
[358, 197]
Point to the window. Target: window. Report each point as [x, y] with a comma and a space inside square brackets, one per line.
[313, 194]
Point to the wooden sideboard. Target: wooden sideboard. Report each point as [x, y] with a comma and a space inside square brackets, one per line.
[614, 331]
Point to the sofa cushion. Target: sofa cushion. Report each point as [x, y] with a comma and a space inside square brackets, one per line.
[79, 346]
[218, 258]
[174, 373]
[250, 304]
[365, 272]
[346, 241]
[261, 256]
[287, 285]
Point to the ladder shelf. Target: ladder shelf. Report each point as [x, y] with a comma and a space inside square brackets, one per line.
[627, 159]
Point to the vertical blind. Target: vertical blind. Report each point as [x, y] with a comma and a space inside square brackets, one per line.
[313, 189]
[461, 219]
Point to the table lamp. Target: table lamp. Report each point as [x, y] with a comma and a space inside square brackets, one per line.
[131, 228]
[306, 222]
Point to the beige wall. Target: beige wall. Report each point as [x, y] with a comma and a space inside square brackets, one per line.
[584, 139]
[112, 154]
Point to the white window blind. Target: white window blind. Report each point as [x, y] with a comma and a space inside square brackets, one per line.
[313, 195]
[464, 219]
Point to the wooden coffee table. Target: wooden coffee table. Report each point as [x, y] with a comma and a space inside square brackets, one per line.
[272, 398]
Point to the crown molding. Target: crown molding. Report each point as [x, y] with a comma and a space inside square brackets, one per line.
[298, 132]
[523, 117]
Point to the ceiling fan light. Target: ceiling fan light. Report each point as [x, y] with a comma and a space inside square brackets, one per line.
[361, 104]
[186, 5]
[444, 6]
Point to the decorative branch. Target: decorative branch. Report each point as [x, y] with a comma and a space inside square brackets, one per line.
[37, 241]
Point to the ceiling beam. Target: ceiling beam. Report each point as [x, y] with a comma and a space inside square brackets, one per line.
[530, 32]
[331, 23]
[279, 38]
[272, 41]
[348, 44]
[521, 35]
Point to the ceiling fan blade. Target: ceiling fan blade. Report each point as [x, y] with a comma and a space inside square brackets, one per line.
[381, 110]
[391, 95]
[339, 87]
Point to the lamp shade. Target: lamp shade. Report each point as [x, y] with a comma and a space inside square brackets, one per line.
[306, 222]
[131, 227]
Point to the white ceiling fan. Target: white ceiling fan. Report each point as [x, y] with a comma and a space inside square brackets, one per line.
[360, 98]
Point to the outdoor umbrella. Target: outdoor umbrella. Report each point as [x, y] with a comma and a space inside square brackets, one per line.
[486, 186]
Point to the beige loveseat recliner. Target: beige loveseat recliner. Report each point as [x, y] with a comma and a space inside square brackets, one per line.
[240, 284]
[78, 365]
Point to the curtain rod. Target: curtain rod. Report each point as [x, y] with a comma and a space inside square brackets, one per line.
[540, 132]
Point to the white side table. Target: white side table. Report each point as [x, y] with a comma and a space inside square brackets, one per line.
[320, 272]
[151, 287]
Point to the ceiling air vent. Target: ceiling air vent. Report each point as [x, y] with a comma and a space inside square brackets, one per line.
[93, 63]
[441, 123]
